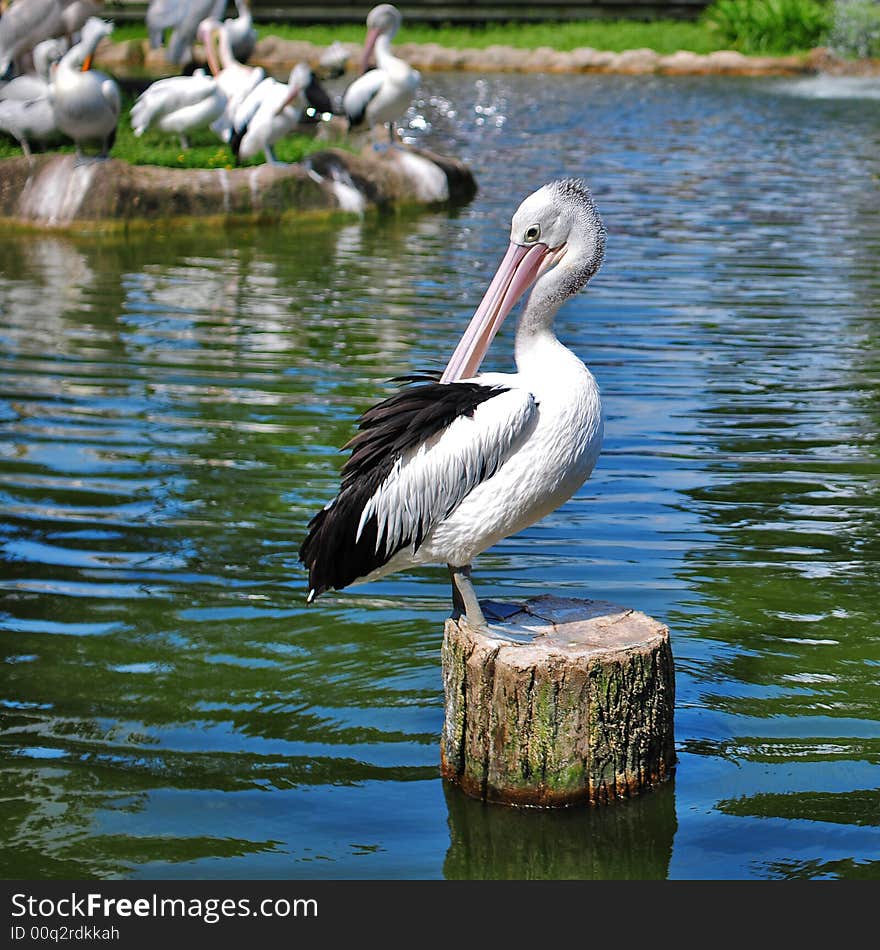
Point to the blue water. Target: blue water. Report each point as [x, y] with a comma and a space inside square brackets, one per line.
[171, 406]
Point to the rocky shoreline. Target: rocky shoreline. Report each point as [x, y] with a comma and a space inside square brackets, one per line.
[57, 192]
[276, 55]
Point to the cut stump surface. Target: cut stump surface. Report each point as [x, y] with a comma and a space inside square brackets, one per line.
[578, 710]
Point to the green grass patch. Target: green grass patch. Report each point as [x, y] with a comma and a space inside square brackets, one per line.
[664, 36]
[751, 26]
[206, 151]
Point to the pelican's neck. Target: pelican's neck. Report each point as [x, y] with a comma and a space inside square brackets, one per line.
[535, 330]
[224, 49]
[384, 57]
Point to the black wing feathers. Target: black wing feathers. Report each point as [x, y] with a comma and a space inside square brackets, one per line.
[386, 431]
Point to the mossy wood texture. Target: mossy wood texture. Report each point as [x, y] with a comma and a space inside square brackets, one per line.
[580, 714]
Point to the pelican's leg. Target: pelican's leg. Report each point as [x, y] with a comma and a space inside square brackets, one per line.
[271, 159]
[465, 603]
[464, 597]
[26, 150]
[184, 141]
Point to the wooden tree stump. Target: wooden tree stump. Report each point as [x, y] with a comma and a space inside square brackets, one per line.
[579, 712]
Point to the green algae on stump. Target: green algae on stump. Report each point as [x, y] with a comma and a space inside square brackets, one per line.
[581, 714]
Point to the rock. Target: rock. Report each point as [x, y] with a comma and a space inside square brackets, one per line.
[129, 55]
[56, 192]
[587, 59]
[727, 61]
[635, 61]
[683, 62]
[156, 64]
[277, 56]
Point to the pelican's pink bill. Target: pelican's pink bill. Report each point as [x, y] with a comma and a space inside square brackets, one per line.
[517, 272]
[287, 100]
[369, 43]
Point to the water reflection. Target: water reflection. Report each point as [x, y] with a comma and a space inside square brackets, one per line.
[631, 842]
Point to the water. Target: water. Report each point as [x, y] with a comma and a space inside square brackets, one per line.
[171, 408]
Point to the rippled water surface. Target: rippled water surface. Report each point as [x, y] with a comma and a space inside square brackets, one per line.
[170, 412]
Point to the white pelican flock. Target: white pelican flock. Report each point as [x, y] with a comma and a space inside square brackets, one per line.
[444, 469]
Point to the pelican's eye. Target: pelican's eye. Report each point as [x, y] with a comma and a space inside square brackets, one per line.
[533, 233]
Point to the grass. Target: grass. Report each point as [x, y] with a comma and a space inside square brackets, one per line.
[731, 28]
[207, 151]
[664, 36]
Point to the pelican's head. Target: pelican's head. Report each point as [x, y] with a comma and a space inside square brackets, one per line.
[383, 20]
[557, 241]
[93, 31]
[559, 227]
[47, 53]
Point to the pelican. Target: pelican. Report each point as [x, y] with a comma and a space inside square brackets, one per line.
[75, 13]
[86, 102]
[26, 111]
[444, 469]
[24, 24]
[241, 32]
[28, 22]
[179, 105]
[382, 94]
[29, 120]
[334, 61]
[272, 111]
[234, 79]
[35, 85]
[182, 17]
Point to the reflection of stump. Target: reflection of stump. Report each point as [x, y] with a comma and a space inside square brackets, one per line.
[632, 843]
[582, 713]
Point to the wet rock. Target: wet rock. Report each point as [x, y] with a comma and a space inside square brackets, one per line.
[57, 192]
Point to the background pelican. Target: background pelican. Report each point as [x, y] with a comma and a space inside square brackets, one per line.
[442, 470]
[241, 32]
[182, 17]
[382, 94]
[75, 13]
[35, 85]
[25, 24]
[235, 80]
[272, 111]
[29, 120]
[26, 111]
[179, 105]
[86, 101]
[28, 22]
